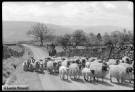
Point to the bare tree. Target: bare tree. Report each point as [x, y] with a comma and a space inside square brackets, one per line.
[78, 37]
[65, 41]
[93, 39]
[38, 30]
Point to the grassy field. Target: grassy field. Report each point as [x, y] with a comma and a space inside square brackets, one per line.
[117, 54]
[11, 63]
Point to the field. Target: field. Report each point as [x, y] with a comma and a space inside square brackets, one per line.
[116, 53]
[13, 56]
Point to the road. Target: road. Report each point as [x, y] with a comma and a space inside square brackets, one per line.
[37, 81]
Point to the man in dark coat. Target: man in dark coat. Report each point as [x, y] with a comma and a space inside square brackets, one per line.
[52, 51]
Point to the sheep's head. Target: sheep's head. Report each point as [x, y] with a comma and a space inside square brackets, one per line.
[129, 70]
[68, 64]
[67, 69]
[63, 59]
[54, 64]
[105, 67]
[117, 62]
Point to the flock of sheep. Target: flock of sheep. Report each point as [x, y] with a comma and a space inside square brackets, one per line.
[90, 68]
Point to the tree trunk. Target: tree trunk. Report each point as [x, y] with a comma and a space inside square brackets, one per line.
[41, 42]
[110, 53]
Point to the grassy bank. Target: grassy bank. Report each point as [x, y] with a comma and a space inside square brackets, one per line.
[11, 63]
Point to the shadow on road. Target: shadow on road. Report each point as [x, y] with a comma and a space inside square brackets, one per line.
[107, 78]
[92, 82]
[40, 72]
[55, 74]
[67, 80]
[124, 84]
[77, 80]
[104, 83]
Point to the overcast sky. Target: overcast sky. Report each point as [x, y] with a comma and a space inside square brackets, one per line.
[118, 13]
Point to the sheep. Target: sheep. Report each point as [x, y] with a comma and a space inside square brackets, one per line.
[37, 65]
[120, 72]
[127, 60]
[83, 62]
[58, 65]
[55, 66]
[125, 64]
[50, 66]
[87, 65]
[121, 61]
[25, 66]
[113, 62]
[45, 62]
[33, 60]
[63, 71]
[74, 70]
[31, 68]
[100, 69]
[92, 59]
[129, 74]
[98, 60]
[41, 65]
[86, 73]
[65, 63]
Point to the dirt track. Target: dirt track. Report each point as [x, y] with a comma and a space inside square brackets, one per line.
[46, 81]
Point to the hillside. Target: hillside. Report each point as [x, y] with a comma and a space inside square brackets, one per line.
[100, 28]
[16, 30]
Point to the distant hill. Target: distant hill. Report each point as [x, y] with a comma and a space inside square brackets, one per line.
[16, 30]
[99, 28]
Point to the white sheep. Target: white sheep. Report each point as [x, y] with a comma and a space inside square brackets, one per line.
[100, 69]
[50, 66]
[87, 64]
[65, 63]
[74, 71]
[92, 59]
[113, 62]
[63, 71]
[127, 60]
[120, 72]
[86, 73]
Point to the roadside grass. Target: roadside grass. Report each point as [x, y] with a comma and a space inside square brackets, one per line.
[11, 64]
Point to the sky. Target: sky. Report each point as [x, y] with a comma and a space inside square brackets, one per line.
[116, 13]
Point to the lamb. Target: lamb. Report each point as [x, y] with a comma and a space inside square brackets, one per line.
[65, 63]
[63, 71]
[86, 73]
